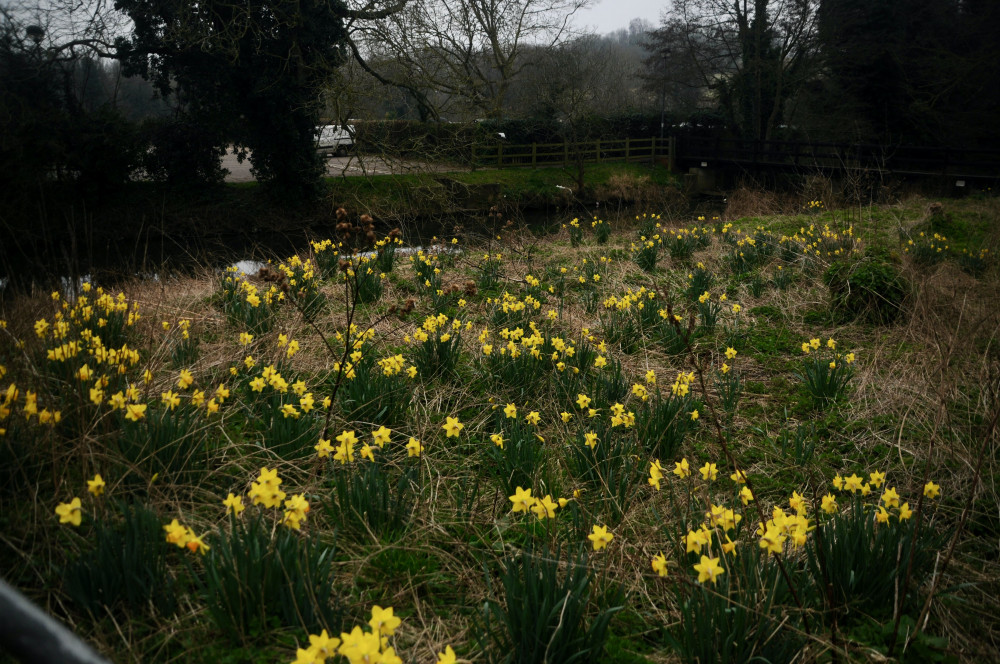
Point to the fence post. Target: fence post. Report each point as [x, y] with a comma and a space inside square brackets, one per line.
[534, 155]
[672, 154]
[597, 150]
[565, 153]
[627, 142]
[499, 155]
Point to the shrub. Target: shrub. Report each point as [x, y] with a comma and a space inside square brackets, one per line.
[699, 281]
[575, 232]
[871, 289]
[438, 346]
[490, 272]
[365, 279]
[170, 442]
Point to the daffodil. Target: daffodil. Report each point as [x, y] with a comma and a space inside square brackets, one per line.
[932, 490]
[452, 427]
[323, 448]
[708, 569]
[853, 483]
[659, 564]
[96, 485]
[544, 508]
[446, 657]
[176, 534]
[234, 504]
[381, 436]
[890, 497]
[682, 469]
[185, 379]
[522, 500]
[600, 537]
[195, 544]
[71, 512]
[135, 411]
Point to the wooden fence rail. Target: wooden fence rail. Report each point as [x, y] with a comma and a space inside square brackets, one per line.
[534, 155]
[897, 159]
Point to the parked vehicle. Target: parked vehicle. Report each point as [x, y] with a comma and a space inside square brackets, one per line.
[334, 140]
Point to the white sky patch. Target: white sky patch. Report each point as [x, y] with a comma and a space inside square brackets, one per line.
[609, 15]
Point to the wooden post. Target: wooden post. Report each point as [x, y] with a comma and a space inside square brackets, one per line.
[672, 153]
[499, 155]
[627, 142]
[597, 150]
[565, 153]
[534, 155]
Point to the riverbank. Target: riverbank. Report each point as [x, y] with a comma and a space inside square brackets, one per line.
[151, 228]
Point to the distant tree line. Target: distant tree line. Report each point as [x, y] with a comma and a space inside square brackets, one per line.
[158, 90]
[887, 71]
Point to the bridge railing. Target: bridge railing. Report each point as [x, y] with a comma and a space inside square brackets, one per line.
[900, 159]
[534, 155]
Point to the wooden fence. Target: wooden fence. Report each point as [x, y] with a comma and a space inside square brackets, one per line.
[534, 155]
[795, 155]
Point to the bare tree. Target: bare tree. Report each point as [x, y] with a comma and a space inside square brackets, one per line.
[753, 55]
[468, 50]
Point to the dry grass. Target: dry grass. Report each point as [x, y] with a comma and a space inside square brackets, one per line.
[921, 394]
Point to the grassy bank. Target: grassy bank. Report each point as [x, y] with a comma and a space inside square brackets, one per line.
[744, 439]
[146, 225]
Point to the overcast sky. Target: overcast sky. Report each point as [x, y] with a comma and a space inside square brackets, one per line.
[608, 15]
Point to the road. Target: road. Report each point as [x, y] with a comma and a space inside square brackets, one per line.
[351, 165]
